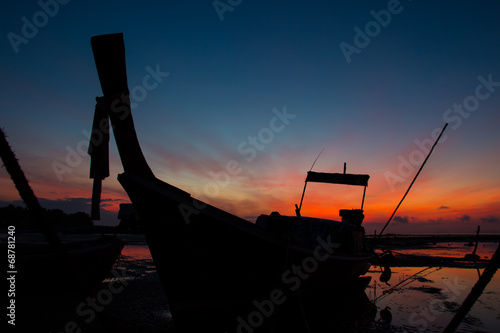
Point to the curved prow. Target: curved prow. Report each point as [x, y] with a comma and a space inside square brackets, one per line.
[109, 55]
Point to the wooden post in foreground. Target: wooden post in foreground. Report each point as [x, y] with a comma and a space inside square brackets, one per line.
[476, 291]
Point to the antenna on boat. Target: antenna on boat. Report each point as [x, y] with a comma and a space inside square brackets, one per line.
[297, 208]
[321, 152]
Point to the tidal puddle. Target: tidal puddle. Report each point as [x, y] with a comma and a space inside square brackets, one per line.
[421, 299]
[426, 299]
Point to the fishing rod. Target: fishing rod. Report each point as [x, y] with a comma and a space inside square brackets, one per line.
[414, 179]
[406, 281]
[321, 152]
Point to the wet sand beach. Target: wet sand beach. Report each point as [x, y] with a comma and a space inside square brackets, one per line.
[422, 298]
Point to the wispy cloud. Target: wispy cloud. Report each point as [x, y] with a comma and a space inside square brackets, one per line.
[401, 219]
[490, 219]
[437, 221]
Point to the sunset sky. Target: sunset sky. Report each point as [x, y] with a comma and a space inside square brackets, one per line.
[262, 87]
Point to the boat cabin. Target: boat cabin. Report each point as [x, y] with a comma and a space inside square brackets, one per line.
[306, 230]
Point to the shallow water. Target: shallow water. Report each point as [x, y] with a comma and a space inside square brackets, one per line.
[428, 300]
[421, 299]
[452, 249]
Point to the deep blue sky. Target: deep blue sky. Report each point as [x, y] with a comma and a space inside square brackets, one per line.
[226, 77]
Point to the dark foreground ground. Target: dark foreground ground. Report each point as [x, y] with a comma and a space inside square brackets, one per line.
[133, 300]
[141, 306]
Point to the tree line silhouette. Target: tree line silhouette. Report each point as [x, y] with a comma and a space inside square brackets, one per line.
[21, 218]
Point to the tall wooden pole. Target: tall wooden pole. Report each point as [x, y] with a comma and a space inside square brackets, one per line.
[476, 291]
[413, 181]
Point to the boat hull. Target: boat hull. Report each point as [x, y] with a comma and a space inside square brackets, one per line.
[40, 270]
[215, 267]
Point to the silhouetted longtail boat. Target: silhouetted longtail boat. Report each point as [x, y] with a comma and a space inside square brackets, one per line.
[222, 273]
[51, 266]
[42, 270]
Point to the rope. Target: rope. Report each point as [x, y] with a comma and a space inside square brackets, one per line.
[387, 292]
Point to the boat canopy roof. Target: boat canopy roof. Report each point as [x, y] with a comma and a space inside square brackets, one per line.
[337, 178]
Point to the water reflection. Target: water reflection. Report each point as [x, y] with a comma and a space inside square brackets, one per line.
[427, 298]
[452, 250]
[138, 252]
[417, 299]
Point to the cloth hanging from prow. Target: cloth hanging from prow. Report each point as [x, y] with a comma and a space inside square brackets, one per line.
[99, 153]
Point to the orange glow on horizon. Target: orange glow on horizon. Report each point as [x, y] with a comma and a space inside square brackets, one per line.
[263, 189]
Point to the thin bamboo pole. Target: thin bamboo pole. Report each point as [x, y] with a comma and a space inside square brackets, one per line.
[476, 291]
